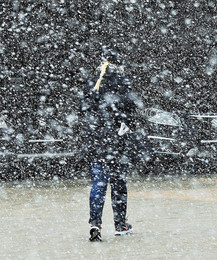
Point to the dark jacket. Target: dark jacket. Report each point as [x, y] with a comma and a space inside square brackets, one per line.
[105, 110]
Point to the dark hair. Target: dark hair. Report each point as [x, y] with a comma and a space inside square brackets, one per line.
[112, 55]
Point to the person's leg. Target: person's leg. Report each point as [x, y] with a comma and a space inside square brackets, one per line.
[119, 195]
[99, 178]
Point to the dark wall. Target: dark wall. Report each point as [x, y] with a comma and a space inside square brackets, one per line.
[48, 49]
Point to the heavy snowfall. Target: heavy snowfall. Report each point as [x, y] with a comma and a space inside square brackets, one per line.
[49, 49]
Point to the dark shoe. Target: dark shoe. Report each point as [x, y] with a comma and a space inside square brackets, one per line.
[123, 230]
[95, 234]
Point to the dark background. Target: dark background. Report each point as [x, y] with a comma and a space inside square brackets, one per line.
[48, 49]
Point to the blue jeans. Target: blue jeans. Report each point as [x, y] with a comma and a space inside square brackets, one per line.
[100, 176]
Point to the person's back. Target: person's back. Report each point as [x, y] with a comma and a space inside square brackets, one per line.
[106, 109]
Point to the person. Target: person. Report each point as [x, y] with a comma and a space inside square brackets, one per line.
[109, 105]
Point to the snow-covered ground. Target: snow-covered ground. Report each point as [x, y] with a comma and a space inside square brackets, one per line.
[172, 219]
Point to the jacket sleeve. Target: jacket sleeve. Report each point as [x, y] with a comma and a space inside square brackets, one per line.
[88, 98]
[131, 103]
